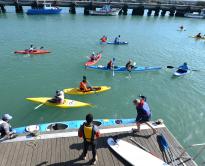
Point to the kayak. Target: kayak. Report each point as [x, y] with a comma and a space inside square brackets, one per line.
[119, 43]
[77, 91]
[202, 38]
[89, 63]
[75, 124]
[176, 73]
[124, 69]
[32, 52]
[67, 103]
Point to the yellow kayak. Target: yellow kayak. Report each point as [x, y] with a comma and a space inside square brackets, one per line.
[77, 91]
[67, 103]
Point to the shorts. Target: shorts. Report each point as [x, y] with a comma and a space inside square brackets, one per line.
[142, 118]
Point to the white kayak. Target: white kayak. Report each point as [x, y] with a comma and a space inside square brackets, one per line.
[177, 73]
[133, 154]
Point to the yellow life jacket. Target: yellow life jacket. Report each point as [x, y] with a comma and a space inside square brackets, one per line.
[88, 133]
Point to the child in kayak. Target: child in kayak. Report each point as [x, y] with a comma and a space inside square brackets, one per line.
[93, 57]
[129, 65]
[58, 98]
[103, 39]
[117, 40]
[84, 85]
[183, 68]
[110, 65]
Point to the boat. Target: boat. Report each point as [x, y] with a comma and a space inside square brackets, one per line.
[118, 43]
[124, 69]
[202, 38]
[71, 125]
[106, 10]
[47, 9]
[200, 15]
[67, 102]
[177, 73]
[89, 63]
[40, 51]
[77, 91]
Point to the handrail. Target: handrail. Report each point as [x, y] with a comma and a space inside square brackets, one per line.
[194, 145]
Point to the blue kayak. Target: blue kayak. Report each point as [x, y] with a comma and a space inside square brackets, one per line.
[118, 43]
[124, 69]
[71, 125]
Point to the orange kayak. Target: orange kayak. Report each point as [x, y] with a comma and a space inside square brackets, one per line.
[90, 63]
[32, 52]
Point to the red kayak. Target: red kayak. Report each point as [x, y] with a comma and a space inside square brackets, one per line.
[32, 52]
[90, 63]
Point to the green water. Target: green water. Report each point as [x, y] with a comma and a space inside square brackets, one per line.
[153, 41]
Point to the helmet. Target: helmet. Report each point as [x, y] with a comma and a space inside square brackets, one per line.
[185, 63]
[6, 117]
[84, 77]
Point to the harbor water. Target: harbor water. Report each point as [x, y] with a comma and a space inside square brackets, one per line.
[153, 41]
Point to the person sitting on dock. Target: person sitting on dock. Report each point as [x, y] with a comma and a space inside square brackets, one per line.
[129, 66]
[183, 68]
[198, 35]
[110, 65]
[84, 86]
[89, 132]
[58, 98]
[5, 127]
[143, 113]
[103, 39]
[117, 40]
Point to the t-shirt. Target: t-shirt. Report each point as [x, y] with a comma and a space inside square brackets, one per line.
[4, 127]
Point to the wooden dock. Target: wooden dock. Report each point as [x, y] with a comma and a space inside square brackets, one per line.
[64, 148]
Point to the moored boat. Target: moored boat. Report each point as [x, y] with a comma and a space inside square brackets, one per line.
[200, 15]
[47, 9]
[106, 10]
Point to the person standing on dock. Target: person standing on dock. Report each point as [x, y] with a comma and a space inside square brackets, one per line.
[5, 127]
[89, 132]
[143, 113]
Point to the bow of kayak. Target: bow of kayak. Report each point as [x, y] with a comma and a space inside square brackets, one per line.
[176, 73]
[77, 91]
[89, 63]
[67, 102]
[32, 52]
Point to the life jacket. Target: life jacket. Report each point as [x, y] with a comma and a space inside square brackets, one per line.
[143, 109]
[88, 133]
[104, 39]
[83, 85]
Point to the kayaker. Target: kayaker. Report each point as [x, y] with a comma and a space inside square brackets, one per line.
[143, 113]
[93, 57]
[89, 132]
[129, 65]
[5, 127]
[198, 35]
[103, 39]
[84, 86]
[181, 27]
[183, 68]
[58, 98]
[117, 39]
[110, 65]
[31, 48]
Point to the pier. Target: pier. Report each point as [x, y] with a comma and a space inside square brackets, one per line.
[63, 147]
[160, 7]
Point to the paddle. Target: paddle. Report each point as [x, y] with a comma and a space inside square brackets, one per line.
[172, 67]
[113, 67]
[164, 146]
[40, 105]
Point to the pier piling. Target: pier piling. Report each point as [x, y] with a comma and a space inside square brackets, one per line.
[72, 9]
[124, 9]
[2, 9]
[19, 8]
[149, 12]
[138, 11]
